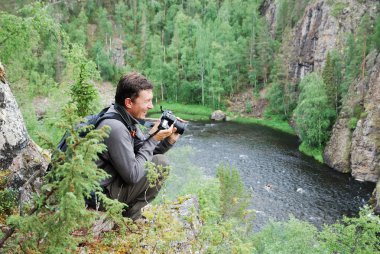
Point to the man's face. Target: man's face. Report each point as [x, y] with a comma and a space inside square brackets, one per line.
[140, 106]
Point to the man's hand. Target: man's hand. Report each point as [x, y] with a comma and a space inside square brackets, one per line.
[175, 136]
[162, 134]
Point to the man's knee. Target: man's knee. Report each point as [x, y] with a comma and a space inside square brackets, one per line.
[160, 159]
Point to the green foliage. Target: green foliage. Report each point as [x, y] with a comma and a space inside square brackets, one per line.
[293, 236]
[234, 196]
[315, 152]
[83, 93]
[218, 233]
[313, 114]
[337, 9]
[77, 28]
[357, 47]
[353, 235]
[352, 123]
[156, 174]
[8, 199]
[332, 78]
[288, 13]
[282, 93]
[272, 121]
[248, 106]
[61, 207]
[190, 112]
[376, 35]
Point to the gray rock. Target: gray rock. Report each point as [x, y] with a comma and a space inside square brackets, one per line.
[338, 149]
[365, 153]
[13, 135]
[19, 156]
[218, 115]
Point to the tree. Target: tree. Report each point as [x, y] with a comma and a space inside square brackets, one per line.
[83, 93]
[60, 207]
[332, 78]
[313, 114]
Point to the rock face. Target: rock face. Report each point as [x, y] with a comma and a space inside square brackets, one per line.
[13, 135]
[365, 154]
[19, 156]
[358, 151]
[323, 28]
[338, 150]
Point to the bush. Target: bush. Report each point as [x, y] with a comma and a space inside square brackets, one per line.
[353, 235]
[352, 123]
[293, 236]
[8, 201]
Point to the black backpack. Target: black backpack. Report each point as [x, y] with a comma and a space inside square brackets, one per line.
[95, 121]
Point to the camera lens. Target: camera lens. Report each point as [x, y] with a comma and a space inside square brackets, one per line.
[180, 127]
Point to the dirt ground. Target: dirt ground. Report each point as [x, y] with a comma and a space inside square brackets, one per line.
[245, 103]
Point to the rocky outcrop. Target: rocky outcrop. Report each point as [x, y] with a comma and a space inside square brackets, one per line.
[178, 223]
[268, 9]
[338, 150]
[117, 52]
[323, 27]
[358, 151]
[20, 157]
[13, 135]
[365, 153]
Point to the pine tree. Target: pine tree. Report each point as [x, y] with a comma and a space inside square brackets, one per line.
[328, 79]
[60, 207]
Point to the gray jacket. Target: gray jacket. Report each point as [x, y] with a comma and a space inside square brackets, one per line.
[126, 155]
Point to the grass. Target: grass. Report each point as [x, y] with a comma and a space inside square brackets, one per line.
[201, 113]
[187, 112]
[271, 123]
[316, 153]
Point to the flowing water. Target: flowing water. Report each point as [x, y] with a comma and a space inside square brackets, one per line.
[283, 181]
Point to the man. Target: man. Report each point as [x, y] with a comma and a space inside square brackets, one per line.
[127, 151]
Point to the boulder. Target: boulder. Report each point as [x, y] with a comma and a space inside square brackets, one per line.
[218, 115]
[20, 157]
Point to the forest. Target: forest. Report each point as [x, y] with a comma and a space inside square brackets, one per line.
[203, 53]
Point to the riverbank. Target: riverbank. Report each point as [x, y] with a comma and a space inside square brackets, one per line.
[202, 113]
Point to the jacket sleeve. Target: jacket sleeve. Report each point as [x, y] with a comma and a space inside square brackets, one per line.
[162, 147]
[127, 164]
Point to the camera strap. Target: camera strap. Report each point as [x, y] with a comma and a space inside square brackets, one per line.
[151, 135]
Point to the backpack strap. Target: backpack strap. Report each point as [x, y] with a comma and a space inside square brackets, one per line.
[112, 115]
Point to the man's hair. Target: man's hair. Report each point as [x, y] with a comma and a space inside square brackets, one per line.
[130, 85]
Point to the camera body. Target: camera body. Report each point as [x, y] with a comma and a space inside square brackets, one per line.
[168, 118]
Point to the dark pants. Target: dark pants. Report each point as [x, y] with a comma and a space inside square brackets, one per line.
[138, 195]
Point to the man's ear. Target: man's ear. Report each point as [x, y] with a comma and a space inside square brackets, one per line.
[128, 103]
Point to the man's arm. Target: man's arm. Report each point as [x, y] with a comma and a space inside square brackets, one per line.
[130, 166]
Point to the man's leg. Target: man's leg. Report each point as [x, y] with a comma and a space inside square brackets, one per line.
[140, 194]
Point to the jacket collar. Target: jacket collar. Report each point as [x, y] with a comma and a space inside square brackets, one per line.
[125, 115]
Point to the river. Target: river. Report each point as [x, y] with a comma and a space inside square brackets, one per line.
[282, 180]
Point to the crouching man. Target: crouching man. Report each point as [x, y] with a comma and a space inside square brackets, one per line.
[128, 149]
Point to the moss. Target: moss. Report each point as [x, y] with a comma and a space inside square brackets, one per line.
[337, 9]
[4, 177]
[352, 123]
[8, 199]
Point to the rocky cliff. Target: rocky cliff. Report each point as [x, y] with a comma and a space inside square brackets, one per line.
[324, 27]
[358, 150]
[20, 157]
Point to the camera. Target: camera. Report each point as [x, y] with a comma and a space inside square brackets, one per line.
[168, 118]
